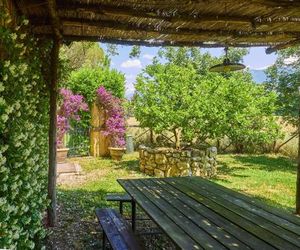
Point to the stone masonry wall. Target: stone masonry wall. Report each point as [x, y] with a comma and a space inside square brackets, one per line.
[166, 162]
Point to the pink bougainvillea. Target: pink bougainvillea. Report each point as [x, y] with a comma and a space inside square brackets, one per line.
[69, 110]
[115, 124]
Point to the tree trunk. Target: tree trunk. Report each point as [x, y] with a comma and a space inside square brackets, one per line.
[239, 147]
[52, 218]
[151, 136]
[298, 170]
[177, 138]
[285, 142]
[274, 146]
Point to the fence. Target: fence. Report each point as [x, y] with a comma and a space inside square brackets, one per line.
[78, 141]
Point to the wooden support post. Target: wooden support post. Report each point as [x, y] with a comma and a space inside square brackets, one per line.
[298, 167]
[52, 133]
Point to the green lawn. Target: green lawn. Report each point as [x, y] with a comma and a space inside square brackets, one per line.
[266, 177]
[269, 178]
[77, 227]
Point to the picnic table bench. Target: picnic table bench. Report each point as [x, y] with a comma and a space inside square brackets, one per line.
[119, 197]
[116, 230]
[198, 214]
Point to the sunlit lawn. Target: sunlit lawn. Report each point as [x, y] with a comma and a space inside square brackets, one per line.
[266, 177]
[270, 178]
[102, 178]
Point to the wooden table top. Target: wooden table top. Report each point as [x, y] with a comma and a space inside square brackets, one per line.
[198, 214]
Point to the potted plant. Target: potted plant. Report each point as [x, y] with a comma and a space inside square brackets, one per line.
[71, 105]
[115, 123]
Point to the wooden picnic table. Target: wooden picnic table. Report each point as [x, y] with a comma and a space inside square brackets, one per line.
[199, 214]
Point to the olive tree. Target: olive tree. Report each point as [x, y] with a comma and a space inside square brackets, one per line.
[182, 96]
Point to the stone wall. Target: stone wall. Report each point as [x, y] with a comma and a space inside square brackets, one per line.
[166, 162]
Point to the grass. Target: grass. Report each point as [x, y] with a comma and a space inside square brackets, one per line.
[77, 227]
[102, 175]
[267, 177]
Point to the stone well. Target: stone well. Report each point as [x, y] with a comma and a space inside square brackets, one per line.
[166, 162]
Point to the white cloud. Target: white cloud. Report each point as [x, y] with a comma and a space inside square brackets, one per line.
[129, 90]
[259, 68]
[130, 77]
[148, 56]
[290, 60]
[135, 63]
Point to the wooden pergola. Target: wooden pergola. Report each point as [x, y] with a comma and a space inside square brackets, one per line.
[204, 23]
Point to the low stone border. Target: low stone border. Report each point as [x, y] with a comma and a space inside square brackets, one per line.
[166, 162]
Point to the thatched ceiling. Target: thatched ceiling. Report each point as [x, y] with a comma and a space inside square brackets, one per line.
[206, 23]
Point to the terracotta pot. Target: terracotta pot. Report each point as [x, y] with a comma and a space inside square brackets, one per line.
[117, 153]
[61, 155]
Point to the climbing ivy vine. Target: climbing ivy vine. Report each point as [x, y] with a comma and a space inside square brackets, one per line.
[23, 135]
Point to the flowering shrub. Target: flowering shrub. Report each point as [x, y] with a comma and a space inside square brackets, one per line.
[115, 123]
[24, 106]
[86, 81]
[69, 110]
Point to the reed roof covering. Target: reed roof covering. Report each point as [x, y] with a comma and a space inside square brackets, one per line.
[205, 23]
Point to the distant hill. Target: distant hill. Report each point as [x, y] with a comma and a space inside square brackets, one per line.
[258, 75]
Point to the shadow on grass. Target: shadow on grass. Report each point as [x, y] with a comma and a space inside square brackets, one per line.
[225, 169]
[273, 203]
[78, 227]
[247, 167]
[131, 165]
[268, 163]
[81, 201]
[77, 224]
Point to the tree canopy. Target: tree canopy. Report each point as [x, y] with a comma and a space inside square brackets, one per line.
[284, 79]
[87, 80]
[86, 68]
[83, 54]
[181, 94]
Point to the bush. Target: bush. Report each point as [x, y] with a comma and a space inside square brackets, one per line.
[86, 81]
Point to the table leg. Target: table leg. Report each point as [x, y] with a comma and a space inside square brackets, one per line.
[121, 207]
[133, 214]
[103, 240]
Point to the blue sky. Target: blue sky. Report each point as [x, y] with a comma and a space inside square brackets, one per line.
[256, 59]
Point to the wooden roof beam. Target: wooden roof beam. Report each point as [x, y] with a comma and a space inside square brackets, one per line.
[152, 42]
[283, 46]
[162, 30]
[205, 41]
[153, 14]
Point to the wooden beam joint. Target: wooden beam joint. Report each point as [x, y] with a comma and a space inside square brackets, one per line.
[283, 46]
[56, 25]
